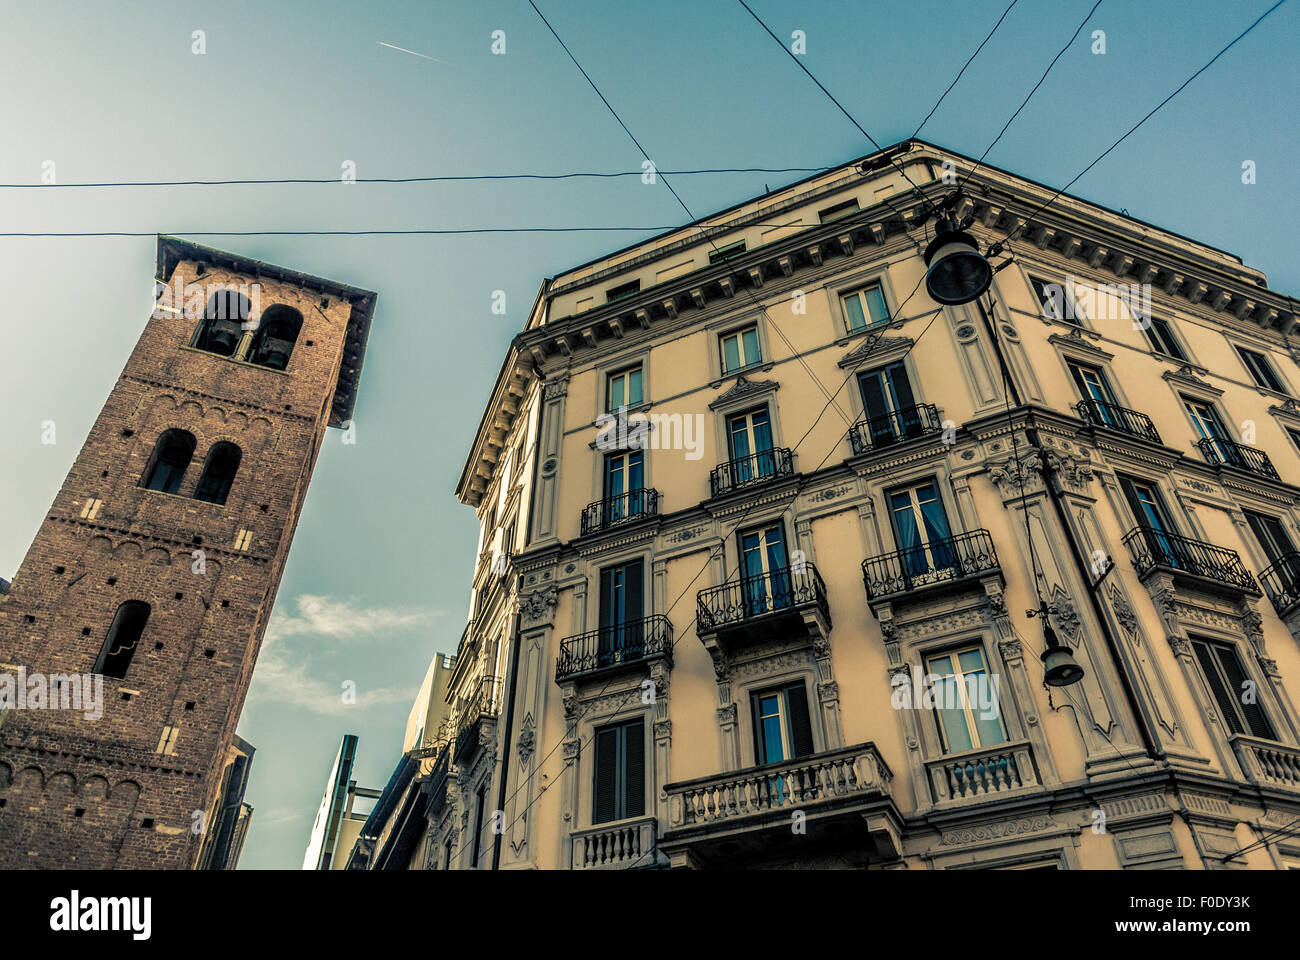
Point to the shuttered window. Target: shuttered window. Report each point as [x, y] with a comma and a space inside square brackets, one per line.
[1238, 701]
[620, 772]
[782, 725]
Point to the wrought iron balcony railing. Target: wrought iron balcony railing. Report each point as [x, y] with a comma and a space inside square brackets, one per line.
[772, 787]
[747, 471]
[748, 598]
[1281, 580]
[1151, 548]
[1238, 455]
[625, 508]
[927, 565]
[622, 643]
[909, 423]
[1099, 413]
[472, 710]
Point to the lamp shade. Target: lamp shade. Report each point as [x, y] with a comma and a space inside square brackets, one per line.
[956, 271]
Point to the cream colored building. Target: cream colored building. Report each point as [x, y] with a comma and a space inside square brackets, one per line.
[786, 623]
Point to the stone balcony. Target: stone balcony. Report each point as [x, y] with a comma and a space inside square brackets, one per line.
[614, 846]
[844, 794]
[975, 775]
[1267, 763]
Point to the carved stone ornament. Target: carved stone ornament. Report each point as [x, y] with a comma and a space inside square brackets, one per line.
[742, 388]
[1252, 625]
[554, 389]
[1269, 666]
[1062, 609]
[1013, 473]
[571, 749]
[537, 607]
[1011, 649]
[663, 729]
[1123, 611]
[527, 740]
[1180, 647]
[996, 604]
[727, 715]
[828, 691]
[570, 705]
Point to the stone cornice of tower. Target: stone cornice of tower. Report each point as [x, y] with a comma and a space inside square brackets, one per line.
[271, 411]
[143, 537]
[172, 250]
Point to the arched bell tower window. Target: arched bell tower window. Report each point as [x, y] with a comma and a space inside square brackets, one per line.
[277, 332]
[218, 473]
[171, 457]
[223, 319]
[123, 639]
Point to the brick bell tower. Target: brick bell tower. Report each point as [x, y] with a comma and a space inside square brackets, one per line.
[158, 564]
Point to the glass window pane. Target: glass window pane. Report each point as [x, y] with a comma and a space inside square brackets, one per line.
[876, 304]
[853, 310]
[752, 354]
[634, 388]
[730, 352]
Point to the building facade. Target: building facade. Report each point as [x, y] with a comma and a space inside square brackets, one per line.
[155, 570]
[770, 541]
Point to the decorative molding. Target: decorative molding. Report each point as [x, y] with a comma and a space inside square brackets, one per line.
[538, 606]
[744, 389]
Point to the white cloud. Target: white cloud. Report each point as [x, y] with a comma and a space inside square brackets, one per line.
[341, 619]
[284, 674]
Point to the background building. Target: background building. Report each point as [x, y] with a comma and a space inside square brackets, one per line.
[784, 622]
[229, 819]
[157, 564]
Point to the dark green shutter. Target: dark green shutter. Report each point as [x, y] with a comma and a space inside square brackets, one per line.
[605, 807]
[1225, 699]
[1255, 719]
[634, 773]
[801, 738]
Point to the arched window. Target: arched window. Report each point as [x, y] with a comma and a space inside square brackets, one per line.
[171, 455]
[223, 320]
[277, 332]
[218, 473]
[123, 638]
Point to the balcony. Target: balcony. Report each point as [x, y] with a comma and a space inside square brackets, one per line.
[845, 795]
[974, 775]
[1230, 454]
[437, 783]
[619, 645]
[933, 568]
[876, 433]
[1191, 561]
[752, 609]
[752, 470]
[1281, 580]
[1110, 416]
[614, 846]
[1268, 764]
[476, 714]
[616, 511]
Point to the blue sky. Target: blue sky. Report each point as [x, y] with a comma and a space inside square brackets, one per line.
[378, 579]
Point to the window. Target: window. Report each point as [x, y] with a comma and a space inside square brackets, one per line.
[1205, 419]
[122, 640]
[623, 389]
[839, 210]
[1235, 694]
[622, 290]
[222, 325]
[218, 473]
[782, 725]
[1092, 385]
[1147, 504]
[480, 808]
[889, 404]
[171, 456]
[620, 772]
[446, 854]
[727, 252]
[1294, 434]
[865, 308]
[624, 476]
[749, 442]
[277, 332]
[1055, 301]
[1160, 335]
[764, 570]
[740, 349]
[921, 528]
[1272, 536]
[1261, 371]
[965, 700]
[622, 601]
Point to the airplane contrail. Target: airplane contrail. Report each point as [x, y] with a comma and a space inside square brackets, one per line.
[411, 52]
